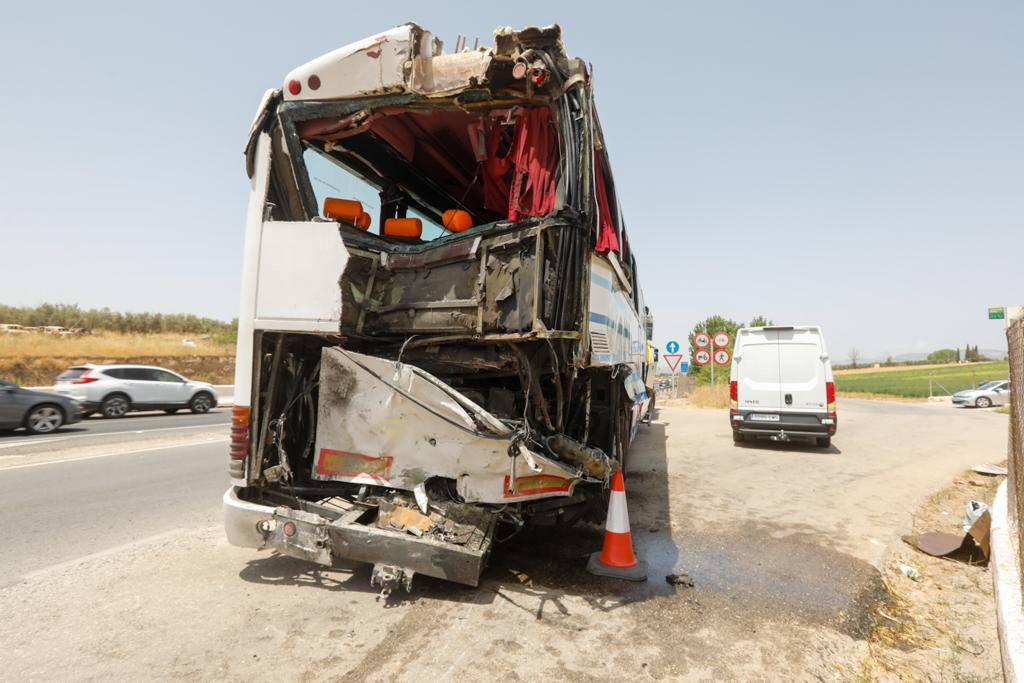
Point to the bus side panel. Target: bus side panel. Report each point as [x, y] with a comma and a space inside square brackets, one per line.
[247, 307]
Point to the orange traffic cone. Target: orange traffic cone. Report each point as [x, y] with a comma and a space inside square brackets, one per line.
[616, 558]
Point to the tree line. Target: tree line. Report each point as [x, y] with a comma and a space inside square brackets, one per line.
[71, 315]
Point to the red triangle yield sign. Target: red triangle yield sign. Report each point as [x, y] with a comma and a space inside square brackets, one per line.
[673, 360]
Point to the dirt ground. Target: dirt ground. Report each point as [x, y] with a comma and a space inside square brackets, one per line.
[788, 546]
[942, 626]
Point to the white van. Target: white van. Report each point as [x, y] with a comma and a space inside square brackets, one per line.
[781, 385]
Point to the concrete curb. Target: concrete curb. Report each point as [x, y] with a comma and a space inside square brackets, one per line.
[1006, 580]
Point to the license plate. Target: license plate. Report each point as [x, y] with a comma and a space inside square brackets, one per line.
[764, 418]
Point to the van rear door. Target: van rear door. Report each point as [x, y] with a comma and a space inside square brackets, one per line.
[802, 370]
[757, 373]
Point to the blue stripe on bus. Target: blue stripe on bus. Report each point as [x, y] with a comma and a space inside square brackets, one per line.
[601, 282]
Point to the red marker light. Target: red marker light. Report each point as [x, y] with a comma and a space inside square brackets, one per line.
[294, 87]
[313, 82]
[288, 528]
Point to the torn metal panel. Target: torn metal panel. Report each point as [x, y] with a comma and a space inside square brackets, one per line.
[457, 289]
[392, 424]
[408, 59]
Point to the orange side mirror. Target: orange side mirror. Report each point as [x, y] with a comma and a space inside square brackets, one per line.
[457, 220]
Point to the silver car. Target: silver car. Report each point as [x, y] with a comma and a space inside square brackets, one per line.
[996, 393]
[113, 390]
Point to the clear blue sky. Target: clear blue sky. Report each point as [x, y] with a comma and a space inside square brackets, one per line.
[854, 164]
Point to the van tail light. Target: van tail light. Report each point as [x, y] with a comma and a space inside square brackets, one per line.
[734, 395]
[85, 378]
[239, 432]
[830, 396]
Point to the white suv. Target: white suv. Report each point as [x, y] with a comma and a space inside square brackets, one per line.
[113, 390]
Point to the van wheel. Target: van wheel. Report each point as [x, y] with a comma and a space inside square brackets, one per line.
[115, 405]
[823, 441]
[737, 437]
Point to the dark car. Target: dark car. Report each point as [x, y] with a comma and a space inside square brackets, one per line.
[36, 411]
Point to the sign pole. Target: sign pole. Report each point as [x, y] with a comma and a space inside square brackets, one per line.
[712, 361]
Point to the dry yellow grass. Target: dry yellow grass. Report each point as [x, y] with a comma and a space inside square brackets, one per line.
[109, 345]
[902, 368]
[707, 396]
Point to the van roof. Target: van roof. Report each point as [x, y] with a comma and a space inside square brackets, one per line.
[802, 328]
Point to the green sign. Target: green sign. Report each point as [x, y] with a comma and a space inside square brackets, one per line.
[998, 313]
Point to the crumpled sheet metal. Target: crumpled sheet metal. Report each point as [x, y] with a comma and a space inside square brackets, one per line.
[392, 424]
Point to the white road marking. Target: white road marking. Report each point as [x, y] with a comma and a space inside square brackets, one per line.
[107, 455]
[32, 442]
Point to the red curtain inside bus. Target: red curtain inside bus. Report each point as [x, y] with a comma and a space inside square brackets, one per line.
[607, 238]
[532, 159]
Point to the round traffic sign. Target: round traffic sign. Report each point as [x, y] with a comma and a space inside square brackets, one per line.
[672, 347]
[702, 357]
[722, 357]
[722, 339]
[701, 340]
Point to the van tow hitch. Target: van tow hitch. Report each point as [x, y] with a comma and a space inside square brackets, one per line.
[781, 436]
[389, 577]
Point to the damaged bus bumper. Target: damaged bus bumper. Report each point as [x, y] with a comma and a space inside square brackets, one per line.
[322, 534]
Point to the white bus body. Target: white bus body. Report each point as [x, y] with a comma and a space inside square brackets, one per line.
[440, 312]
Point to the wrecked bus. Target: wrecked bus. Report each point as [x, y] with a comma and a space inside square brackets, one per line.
[441, 330]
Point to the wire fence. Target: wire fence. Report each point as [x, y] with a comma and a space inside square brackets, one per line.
[1015, 447]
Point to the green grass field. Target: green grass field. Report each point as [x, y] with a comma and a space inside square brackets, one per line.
[913, 382]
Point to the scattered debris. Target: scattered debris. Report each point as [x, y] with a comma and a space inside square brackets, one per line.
[679, 580]
[938, 544]
[404, 519]
[990, 470]
[909, 572]
[978, 523]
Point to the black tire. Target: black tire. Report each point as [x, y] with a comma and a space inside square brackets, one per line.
[201, 403]
[737, 437]
[44, 419]
[171, 411]
[983, 402]
[823, 441]
[115, 405]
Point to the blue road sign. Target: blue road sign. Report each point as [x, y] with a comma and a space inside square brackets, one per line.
[684, 367]
[672, 347]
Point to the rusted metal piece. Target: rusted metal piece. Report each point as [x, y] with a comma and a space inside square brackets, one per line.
[592, 461]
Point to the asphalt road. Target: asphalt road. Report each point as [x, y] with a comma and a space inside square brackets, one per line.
[786, 545]
[97, 430]
[60, 510]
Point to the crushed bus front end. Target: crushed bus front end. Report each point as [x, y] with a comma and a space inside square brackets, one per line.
[441, 330]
